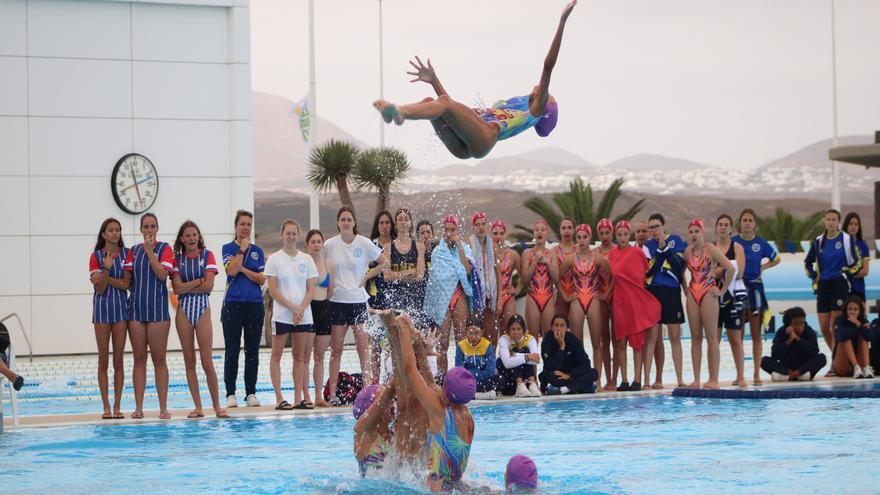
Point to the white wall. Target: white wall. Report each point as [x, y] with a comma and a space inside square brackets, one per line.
[83, 83]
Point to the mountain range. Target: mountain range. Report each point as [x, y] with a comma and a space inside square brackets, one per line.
[279, 165]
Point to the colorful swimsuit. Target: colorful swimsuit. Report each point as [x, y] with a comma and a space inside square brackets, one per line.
[587, 281]
[447, 454]
[701, 275]
[541, 286]
[188, 269]
[566, 280]
[512, 115]
[505, 267]
[375, 458]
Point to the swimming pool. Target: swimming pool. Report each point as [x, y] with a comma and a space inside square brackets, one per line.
[625, 445]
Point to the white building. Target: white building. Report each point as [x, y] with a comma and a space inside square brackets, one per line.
[83, 83]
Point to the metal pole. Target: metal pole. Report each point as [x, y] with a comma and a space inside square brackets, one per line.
[835, 167]
[314, 197]
[381, 77]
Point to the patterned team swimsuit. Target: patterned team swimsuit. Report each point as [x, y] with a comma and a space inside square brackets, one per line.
[447, 453]
[505, 266]
[566, 280]
[541, 286]
[588, 281]
[701, 279]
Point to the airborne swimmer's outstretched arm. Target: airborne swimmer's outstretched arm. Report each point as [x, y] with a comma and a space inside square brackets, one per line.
[536, 108]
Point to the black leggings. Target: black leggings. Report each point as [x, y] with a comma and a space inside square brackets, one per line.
[813, 365]
[580, 384]
[507, 377]
[236, 316]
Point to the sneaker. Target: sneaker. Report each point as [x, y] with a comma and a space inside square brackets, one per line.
[779, 377]
[252, 401]
[553, 390]
[868, 371]
[490, 395]
[805, 377]
[534, 390]
[522, 391]
[857, 372]
[231, 401]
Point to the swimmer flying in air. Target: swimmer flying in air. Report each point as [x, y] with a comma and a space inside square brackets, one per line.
[473, 132]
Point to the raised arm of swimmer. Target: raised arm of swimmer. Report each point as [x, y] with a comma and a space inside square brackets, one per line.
[536, 107]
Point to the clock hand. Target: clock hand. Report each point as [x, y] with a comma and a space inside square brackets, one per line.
[136, 188]
[149, 177]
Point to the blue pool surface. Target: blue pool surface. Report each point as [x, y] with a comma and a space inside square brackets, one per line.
[625, 445]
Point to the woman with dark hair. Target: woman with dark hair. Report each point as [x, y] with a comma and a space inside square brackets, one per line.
[605, 234]
[565, 249]
[756, 250]
[506, 261]
[703, 294]
[852, 341]
[795, 353]
[350, 255]
[424, 235]
[853, 226]
[148, 266]
[832, 256]
[539, 275]
[243, 309]
[383, 233]
[193, 281]
[518, 356]
[567, 368]
[320, 309]
[730, 313]
[405, 277]
[110, 310]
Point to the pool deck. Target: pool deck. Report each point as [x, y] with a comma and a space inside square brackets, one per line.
[152, 416]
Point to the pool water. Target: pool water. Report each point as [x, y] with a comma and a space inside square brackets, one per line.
[626, 445]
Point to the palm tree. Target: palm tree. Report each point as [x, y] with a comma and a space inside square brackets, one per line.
[380, 170]
[330, 164]
[578, 204]
[782, 226]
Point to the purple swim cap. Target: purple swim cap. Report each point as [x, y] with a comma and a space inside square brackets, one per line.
[364, 400]
[459, 385]
[521, 473]
[548, 120]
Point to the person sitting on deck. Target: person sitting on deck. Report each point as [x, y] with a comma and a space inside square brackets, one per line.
[518, 355]
[795, 353]
[476, 354]
[567, 368]
[852, 338]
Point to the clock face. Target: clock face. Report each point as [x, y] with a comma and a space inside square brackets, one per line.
[135, 183]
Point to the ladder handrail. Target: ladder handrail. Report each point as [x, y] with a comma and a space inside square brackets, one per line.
[23, 334]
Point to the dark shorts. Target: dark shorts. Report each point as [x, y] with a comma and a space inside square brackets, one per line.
[279, 328]
[671, 311]
[859, 294]
[347, 314]
[831, 295]
[321, 317]
[730, 318]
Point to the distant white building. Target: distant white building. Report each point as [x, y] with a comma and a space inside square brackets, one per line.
[84, 83]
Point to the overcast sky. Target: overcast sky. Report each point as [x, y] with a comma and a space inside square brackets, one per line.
[734, 83]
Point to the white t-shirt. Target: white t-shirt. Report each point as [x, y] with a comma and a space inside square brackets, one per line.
[291, 274]
[349, 263]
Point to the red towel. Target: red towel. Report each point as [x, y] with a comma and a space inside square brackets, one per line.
[634, 309]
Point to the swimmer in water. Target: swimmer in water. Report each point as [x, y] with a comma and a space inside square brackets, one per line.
[473, 132]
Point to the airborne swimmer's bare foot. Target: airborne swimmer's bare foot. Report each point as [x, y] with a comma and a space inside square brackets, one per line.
[390, 112]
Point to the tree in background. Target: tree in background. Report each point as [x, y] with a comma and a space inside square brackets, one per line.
[380, 170]
[578, 204]
[782, 226]
[330, 165]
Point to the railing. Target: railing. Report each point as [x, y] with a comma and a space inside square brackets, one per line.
[23, 334]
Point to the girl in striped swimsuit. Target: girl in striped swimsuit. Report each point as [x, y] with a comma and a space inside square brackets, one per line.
[110, 310]
[192, 279]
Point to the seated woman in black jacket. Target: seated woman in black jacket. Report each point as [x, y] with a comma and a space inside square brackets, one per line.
[852, 336]
[795, 354]
[567, 368]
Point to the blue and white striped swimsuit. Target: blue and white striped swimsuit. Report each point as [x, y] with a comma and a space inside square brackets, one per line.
[112, 305]
[188, 268]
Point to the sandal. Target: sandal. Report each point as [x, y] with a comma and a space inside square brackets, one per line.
[195, 415]
[304, 405]
[107, 415]
[118, 415]
[222, 414]
[164, 415]
[335, 402]
[283, 406]
[137, 415]
[322, 403]
[623, 387]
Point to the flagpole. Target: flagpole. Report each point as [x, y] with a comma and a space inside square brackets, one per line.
[381, 77]
[835, 167]
[314, 198]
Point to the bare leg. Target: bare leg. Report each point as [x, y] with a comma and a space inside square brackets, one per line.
[606, 345]
[508, 311]
[675, 345]
[303, 343]
[650, 344]
[157, 340]
[102, 338]
[735, 338]
[364, 345]
[137, 333]
[459, 319]
[490, 326]
[443, 344]
[533, 318]
[620, 362]
[118, 332]
[448, 137]
[709, 316]
[205, 339]
[696, 325]
[757, 345]
[337, 340]
[845, 358]
[322, 342]
[186, 334]
[576, 316]
[547, 315]
[594, 322]
[660, 358]
[864, 353]
[825, 325]
[278, 342]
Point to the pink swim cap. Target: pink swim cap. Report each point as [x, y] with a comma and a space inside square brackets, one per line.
[521, 472]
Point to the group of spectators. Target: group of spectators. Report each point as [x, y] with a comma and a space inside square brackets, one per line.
[624, 287]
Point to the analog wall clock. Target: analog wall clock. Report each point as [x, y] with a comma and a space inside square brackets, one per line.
[135, 183]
